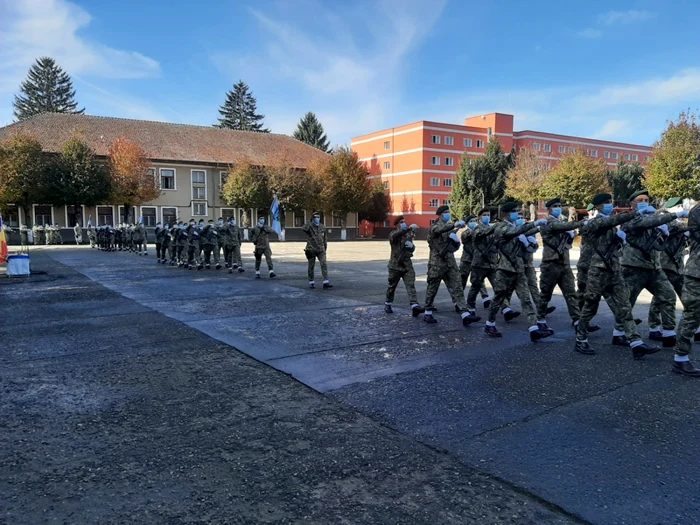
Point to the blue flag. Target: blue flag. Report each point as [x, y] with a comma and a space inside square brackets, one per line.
[275, 209]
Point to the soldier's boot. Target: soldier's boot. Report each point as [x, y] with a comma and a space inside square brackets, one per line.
[655, 335]
[593, 328]
[388, 309]
[240, 269]
[696, 337]
[273, 275]
[257, 275]
[637, 322]
[640, 350]
[582, 347]
[620, 340]
[537, 334]
[200, 266]
[509, 314]
[416, 310]
[218, 266]
[542, 327]
[428, 318]
[685, 368]
[312, 285]
[550, 309]
[486, 302]
[669, 340]
[492, 331]
[207, 266]
[230, 270]
[469, 318]
[235, 266]
[189, 266]
[457, 309]
[327, 285]
[145, 252]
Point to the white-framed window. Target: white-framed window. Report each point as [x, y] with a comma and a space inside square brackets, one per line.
[449, 161]
[572, 149]
[150, 216]
[199, 184]
[594, 153]
[105, 216]
[467, 143]
[536, 146]
[435, 181]
[546, 167]
[435, 161]
[227, 213]
[199, 209]
[434, 203]
[168, 215]
[635, 157]
[547, 148]
[335, 220]
[120, 215]
[299, 219]
[446, 202]
[387, 145]
[387, 165]
[386, 184]
[435, 139]
[562, 149]
[627, 156]
[606, 154]
[168, 181]
[448, 183]
[43, 215]
[11, 217]
[74, 216]
[223, 177]
[615, 155]
[587, 152]
[479, 143]
[449, 141]
[646, 158]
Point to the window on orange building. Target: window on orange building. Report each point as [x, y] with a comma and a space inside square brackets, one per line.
[435, 161]
[435, 181]
[480, 144]
[434, 203]
[387, 145]
[606, 154]
[536, 146]
[387, 165]
[435, 139]
[635, 157]
[562, 149]
[546, 167]
[386, 184]
[627, 156]
[449, 161]
[446, 202]
[646, 158]
[571, 150]
[467, 143]
[448, 183]
[449, 141]
[615, 155]
[594, 153]
[547, 148]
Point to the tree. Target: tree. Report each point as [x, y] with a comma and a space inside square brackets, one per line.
[674, 168]
[133, 183]
[525, 180]
[310, 131]
[378, 207]
[577, 179]
[247, 186]
[22, 173]
[490, 172]
[296, 190]
[624, 180]
[240, 110]
[47, 89]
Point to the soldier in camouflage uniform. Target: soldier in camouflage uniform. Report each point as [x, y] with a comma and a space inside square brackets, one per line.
[690, 322]
[173, 232]
[193, 246]
[316, 246]
[160, 234]
[604, 273]
[400, 265]
[78, 233]
[260, 237]
[465, 262]
[91, 235]
[511, 238]
[210, 239]
[485, 259]
[182, 244]
[233, 238]
[443, 242]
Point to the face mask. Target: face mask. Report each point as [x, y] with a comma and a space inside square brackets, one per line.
[486, 219]
[514, 216]
[607, 209]
[317, 220]
[261, 223]
[472, 225]
[158, 225]
[403, 225]
[642, 206]
[446, 217]
[221, 223]
[519, 222]
[232, 222]
[556, 212]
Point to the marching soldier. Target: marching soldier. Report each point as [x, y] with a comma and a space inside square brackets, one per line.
[604, 273]
[78, 233]
[465, 263]
[233, 237]
[173, 232]
[400, 265]
[210, 239]
[316, 246]
[160, 234]
[182, 244]
[193, 246]
[442, 266]
[260, 237]
[485, 260]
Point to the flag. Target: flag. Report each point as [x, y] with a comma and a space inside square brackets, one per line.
[275, 209]
[3, 244]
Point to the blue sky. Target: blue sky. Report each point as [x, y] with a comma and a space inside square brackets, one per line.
[616, 71]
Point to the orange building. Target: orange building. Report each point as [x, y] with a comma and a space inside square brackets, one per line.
[417, 162]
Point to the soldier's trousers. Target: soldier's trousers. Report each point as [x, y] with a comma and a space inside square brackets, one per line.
[656, 282]
[555, 274]
[258, 258]
[465, 269]
[504, 284]
[178, 251]
[478, 277]
[172, 250]
[690, 297]
[232, 255]
[409, 280]
[676, 281]
[193, 256]
[159, 249]
[210, 249]
[450, 274]
[311, 258]
[603, 281]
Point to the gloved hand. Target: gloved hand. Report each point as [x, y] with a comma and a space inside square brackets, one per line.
[532, 240]
[687, 234]
[523, 240]
[664, 229]
[585, 223]
[454, 237]
[571, 233]
[460, 224]
[682, 214]
[414, 227]
[647, 210]
[622, 235]
[409, 244]
[540, 222]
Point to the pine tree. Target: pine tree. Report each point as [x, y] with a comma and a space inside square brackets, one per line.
[47, 89]
[240, 111]
[310, 131]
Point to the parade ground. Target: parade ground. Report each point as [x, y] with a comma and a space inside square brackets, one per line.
[133, 392]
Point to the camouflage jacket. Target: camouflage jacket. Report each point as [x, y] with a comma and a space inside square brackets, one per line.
[644, 240]
[601, 235]
[584, 257]
[529, 256]
[485, 247]
[210, 236]
[556, 240]
[510, 247]
[193, 236]
[438, 238]
[180, 237]
[91, 234]
[261, 237]
[233, 236]
[160, 234]
[221, 230]
[467, 246]
[674, 246]
[400, 258]
[317, 241]
[139, 234]
[692, 267]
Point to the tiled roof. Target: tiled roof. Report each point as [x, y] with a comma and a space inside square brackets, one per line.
[166, 141]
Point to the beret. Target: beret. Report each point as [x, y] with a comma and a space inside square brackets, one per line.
[510, 206]
[442, 209]
[552, 202]
[673, 201]
[398, 219]
[601, 198]
[638, 193]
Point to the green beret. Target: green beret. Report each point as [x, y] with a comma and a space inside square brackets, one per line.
[484, 210]
[469, 218]
[397, 220]
[552, 202]
[601, 198]
[589, 207]
[442, 209]
[510, 206]
[637, 194]
[673, 202]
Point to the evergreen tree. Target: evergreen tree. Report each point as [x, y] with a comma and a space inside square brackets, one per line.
[310, 131]
[624, 181]
[466, 197]
[47, 89]
[240, 111]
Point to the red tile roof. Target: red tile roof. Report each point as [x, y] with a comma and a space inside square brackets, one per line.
[166, 141]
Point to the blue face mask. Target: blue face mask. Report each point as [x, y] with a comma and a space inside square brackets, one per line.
[471, 225]
[519, 222]
[446, 217]
[514, 216]
[221, 223]
[232, 222]
[556, 212]
[403, 225]
[607, 209]
[486, 219]
[261, 222]
[642, 206]
[317, 220]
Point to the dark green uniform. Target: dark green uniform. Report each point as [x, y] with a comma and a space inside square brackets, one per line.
[316, 246]
[671, 258]
[260, 237]
[690, 297]
[484, 262]
[400, 265]
[465, 262]
[442, 265]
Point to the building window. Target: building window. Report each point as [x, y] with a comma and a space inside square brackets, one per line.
[434, 203]
[169, 216]
[635, 157]
[572, 150]
[74, 216]
[449, 141]
[11, 218]
[435, 139]
[448, 183]
[387, 165]
[223, 177]
[449, 161]
[433, 221]
[646, 158]
[562, 149]
[467, 143]
[199, 208]
[546, 167]
[547, 148]
[335, 221]
[435, 181]
[594, 153]
[105, 216]
[387, 145]
[42, 215]
[167, 179]
[587, 152]
[435, 161]
[627, 156]
[228, 214]
[386, 184]
[199, 184]
[606, 154]
[299, 219]
[149, 216]
[536, 146]
[480, 144]
[446, 202]
[615, 155]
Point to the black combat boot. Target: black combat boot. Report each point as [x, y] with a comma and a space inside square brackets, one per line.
[685, 368]
[640, 351]
[272, 274]
[696, 337]
[550, 309]
[457, 309]
[241, 269]
[620, 340]
[582, 347]
[542, 327]
[327, 286]
[417, 310]
[637, 322]
[492, 331]
[218, 266]
[536, 335]
[510, 315]
[429, 319]
[230, 270]
[487, 303]
[669, 341]
[655, 335]
[388, 309]
[469, 318]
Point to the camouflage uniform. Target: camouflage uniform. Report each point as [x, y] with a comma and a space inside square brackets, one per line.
[671, 259]
[210, 240]
[160, 234]
[221, 231]
[465, 262]
[78, 232]
[484, 262]
[182, 245]
[38, 234]
[260, 237]
[690, 297]
[400, 265]
[527, 283]
[172, 243]
[316, 246]
[442, 266]
[233, 237]
[193, 247]
[91, 236]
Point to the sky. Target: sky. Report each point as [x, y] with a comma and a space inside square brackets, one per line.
[600, 69]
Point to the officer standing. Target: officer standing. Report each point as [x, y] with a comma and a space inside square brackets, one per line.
[400, 265]
[260, 237]
[316, 246]
[465, 262]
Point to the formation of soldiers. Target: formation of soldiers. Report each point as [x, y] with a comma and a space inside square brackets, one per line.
[621, 254]
[43, 235]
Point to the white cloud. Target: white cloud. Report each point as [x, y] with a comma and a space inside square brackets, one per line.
[612, 128]
[625, 17]
[589, 32]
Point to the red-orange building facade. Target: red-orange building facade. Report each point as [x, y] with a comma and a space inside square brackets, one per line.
[417, 162]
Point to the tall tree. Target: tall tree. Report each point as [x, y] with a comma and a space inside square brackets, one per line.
[22, 173]
[525, 180]
[624, 180]
[378, 206]
[296, 190]
[310, 131]
[132, 181]
[240, 110]
[577, 179]
[47, 89]
[674, 168]
[247, 186]
[471, 189]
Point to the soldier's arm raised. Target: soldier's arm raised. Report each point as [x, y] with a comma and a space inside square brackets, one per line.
[396, 236]
[483, 231]
[651, 221]
[307, 228]
[561, 226]
[602, 223]
[509, 233]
